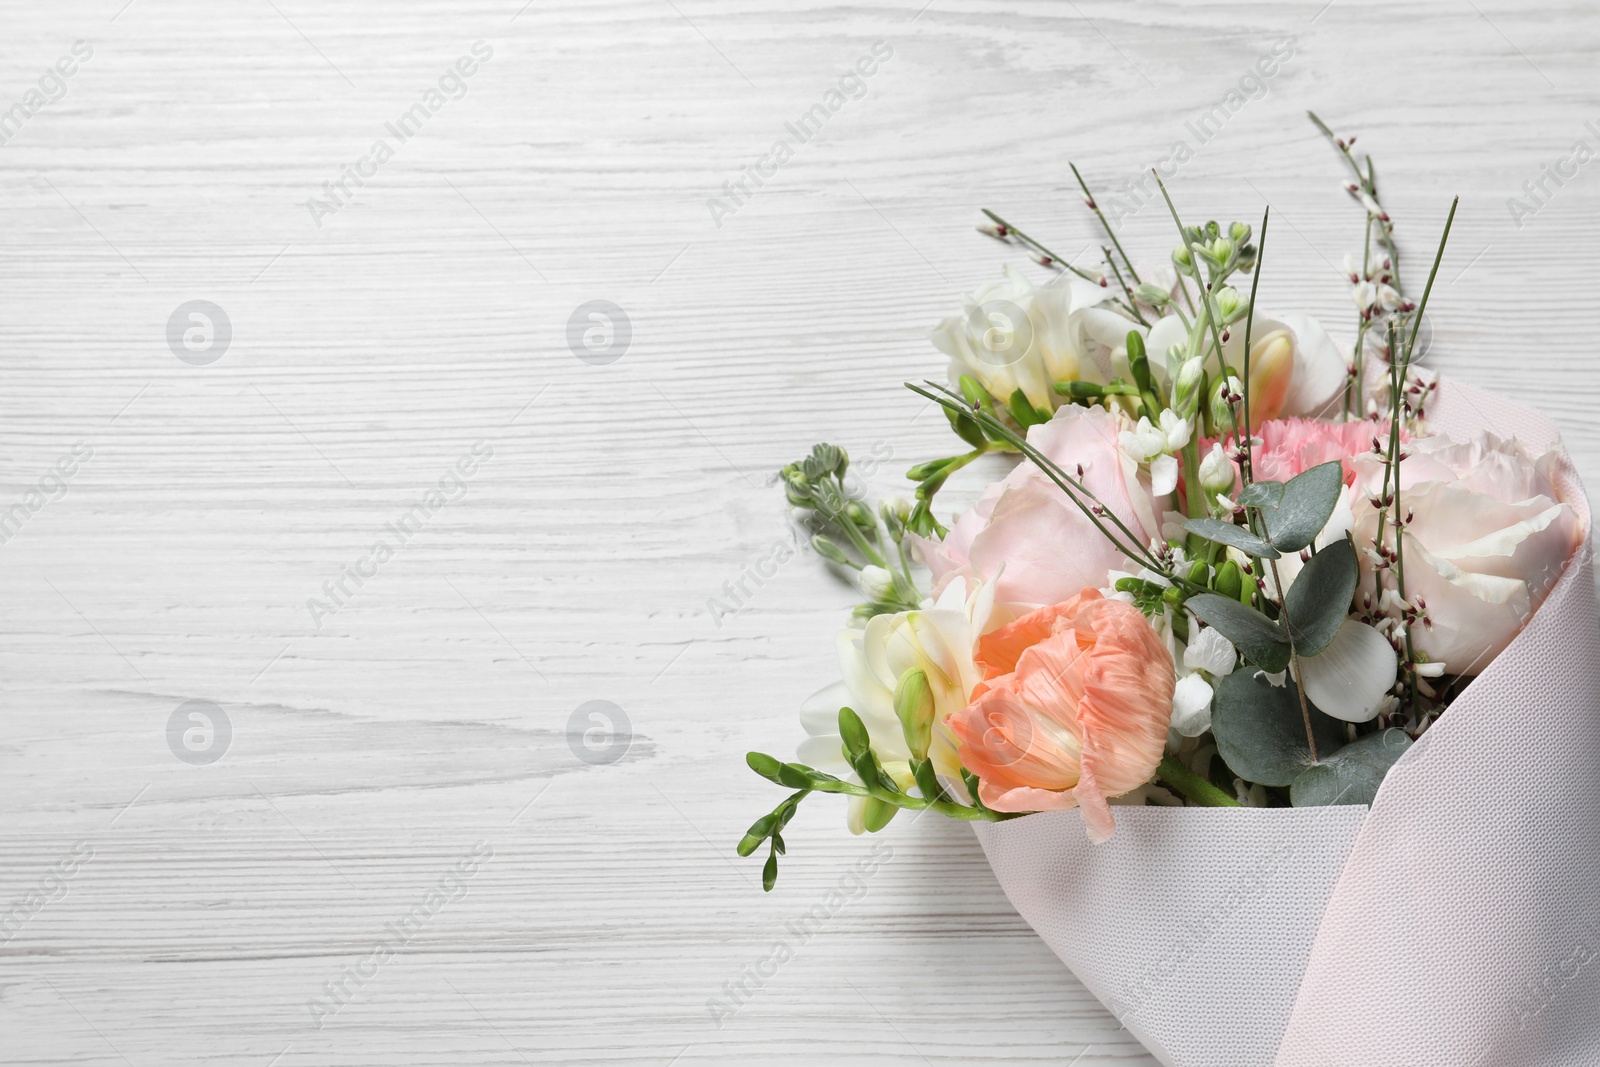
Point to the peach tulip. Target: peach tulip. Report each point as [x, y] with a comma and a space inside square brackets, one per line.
[1073, 710]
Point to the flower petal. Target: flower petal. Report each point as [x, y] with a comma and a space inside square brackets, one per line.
[1350, 678]
[1163, 475]
[1191, 706]
[1209, 651]
[819, 714]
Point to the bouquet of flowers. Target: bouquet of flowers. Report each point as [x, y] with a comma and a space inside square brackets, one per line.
[1270, 674]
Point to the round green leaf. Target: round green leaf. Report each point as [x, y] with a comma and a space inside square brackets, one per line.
[1308, 501]
[1260, 639]
[1262, 494]
[1260, 730]
[1227, 533]
[1319, 600]
[1352, 774]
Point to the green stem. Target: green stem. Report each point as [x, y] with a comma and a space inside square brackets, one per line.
[1352, 388]
[1025, 239]
[1369, 185]
[1133, 304]
[1193, 493]
[1095, 207]
[949, 808]
[1075, 491]
[1193, 786]
[1206, 295]
[1294, 661]
[1247, 472]
[1427, 291]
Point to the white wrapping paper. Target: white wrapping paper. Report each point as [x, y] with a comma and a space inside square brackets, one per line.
[1456, 923]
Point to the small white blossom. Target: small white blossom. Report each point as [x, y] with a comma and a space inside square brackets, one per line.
[1191, 706]
[1209, 651]
[1216, 473]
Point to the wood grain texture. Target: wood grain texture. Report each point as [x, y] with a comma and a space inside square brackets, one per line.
[375, 748]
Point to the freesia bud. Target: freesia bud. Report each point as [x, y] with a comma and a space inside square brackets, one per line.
[913, 704]
[1230, 305]
[875, 582]
[1153, 295]
[829, 551]
[1228, 579]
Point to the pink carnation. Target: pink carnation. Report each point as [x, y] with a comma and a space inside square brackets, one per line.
[1291, 446]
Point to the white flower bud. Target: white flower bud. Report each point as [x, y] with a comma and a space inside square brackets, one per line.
[1153, 295]
[1186, 389]
[875, 582]
[898, 506]
[1216, 472]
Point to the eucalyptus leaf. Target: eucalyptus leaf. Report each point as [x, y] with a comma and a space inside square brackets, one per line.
[1262, 494]
[1318, 602]
[1261, 732]
[1308, 501]
[1260, 639]
[1227, 533]
[1352, 774]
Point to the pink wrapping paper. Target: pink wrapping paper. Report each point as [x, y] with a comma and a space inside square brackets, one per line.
[1454, 923]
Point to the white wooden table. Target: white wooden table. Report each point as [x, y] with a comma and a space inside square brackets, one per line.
[398, 771]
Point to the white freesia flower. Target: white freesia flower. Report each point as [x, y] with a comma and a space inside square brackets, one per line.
[1295, 367]
[1014, 335]
[939, 641]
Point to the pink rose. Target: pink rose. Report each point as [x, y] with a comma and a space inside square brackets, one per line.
[1024, 532]
[1486, 538]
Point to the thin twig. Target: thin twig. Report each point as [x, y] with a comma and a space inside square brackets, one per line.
[1095, 207]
